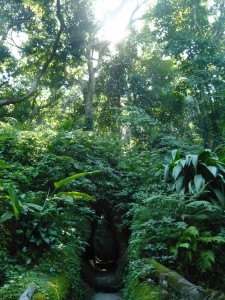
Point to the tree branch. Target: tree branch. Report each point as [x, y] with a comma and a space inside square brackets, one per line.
[132, 20]
[35, 82]
[195, 20]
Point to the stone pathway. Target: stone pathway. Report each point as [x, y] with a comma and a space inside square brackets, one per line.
[107, 296]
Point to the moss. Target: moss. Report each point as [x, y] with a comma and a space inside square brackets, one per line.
[135, 290]
[56, 288]
[147, 292]
[56, 275]
[39, 296]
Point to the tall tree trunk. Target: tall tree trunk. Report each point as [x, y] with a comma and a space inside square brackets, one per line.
[89, 97]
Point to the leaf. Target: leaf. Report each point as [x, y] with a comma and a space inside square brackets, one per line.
[222, 159]
[221, 167]
[178, 183]
[220, 196]
[175, 155]
[191, 186]
[213, 170]
[188, 159]
[73, 177]
[199, 182]
[66, 198]
[176, 171]
[194, 160]
[77, 195]
[6, 216]
[166, 173]
[35, 206]
[184, 245]
[183, 162]
[15, 202]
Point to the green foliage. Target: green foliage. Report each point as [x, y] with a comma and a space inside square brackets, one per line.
[186, 32]
[184, 235]
[39, 229]
[138, 285]
[202, 174]
[153, 234]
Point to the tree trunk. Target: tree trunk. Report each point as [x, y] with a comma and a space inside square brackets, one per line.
[89, 96]
[187, 290]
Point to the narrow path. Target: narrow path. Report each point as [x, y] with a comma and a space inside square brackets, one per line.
[107, 296]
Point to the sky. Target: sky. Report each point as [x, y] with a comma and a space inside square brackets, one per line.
[115, 20]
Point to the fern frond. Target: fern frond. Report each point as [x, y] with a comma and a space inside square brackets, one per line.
[205, 260]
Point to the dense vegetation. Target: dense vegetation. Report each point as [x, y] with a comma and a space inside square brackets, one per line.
[140, 128]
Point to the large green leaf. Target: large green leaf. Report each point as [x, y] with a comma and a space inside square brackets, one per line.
[199, 182]
[73, 177]
[188, 159]
[35, 206]
[213, 170]
[191, 186]
[220, 196]
[76, 195]
[221, 167]
[6, 216]
[194, 160]
[222, 159]
[184, 245]
[183, 162]
[15, 202]
[176, 171]
[175, 155]
[166, 173]
[179, 183]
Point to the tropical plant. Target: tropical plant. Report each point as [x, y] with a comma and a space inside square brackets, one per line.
[201, 174]
[37, 221]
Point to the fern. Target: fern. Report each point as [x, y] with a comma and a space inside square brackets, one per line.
[212, 239]
[191, 231]
[206, 260]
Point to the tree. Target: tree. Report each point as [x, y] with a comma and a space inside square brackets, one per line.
[42, 68]
[192, 32]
